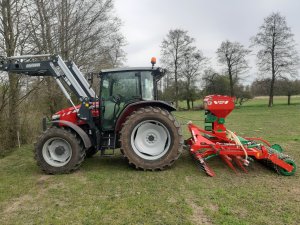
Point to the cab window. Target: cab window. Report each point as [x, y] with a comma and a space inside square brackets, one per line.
[125, 84]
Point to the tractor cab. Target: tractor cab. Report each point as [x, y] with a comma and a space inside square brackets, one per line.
[121, 87]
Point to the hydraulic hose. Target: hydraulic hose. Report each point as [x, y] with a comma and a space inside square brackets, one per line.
[238, 142]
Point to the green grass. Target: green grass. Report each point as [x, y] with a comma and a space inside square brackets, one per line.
[278, 100]
[261, 101]
[108, 191]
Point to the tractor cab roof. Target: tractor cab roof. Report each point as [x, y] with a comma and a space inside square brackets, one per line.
[157, 71]
[127, 69]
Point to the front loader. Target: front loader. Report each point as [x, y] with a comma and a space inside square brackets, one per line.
[126, 114]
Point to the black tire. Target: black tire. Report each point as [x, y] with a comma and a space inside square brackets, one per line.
[89, 153]
[68, 137]
[166, 119]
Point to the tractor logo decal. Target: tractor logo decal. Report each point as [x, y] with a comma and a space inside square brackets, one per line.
[220, 102]
[33, 65]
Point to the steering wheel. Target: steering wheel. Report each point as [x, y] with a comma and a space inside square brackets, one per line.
[117, 98]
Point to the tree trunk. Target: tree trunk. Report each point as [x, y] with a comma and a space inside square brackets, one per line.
[188, 84]
[188, 104]
[231, 83]
[289, 99]
[271, 95]
[175, 74]
[192, 104]
[176, 87]
[13, 109]
[273, 73]
[10, 46]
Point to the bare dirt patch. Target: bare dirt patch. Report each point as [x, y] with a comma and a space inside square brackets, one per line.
[80, 177]
[198, 217]
[17, 204]
[30, 200]
[213, 207]
[42, 180]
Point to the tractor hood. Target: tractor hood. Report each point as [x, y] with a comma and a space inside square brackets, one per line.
[65, 113]
[70, 114]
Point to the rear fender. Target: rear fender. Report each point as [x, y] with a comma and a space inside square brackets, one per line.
[84, 137]
[135, 106]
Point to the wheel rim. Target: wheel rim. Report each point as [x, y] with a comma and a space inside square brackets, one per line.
[57, 152]
[150, 140]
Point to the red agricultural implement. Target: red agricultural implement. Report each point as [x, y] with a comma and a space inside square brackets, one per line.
[215, 140]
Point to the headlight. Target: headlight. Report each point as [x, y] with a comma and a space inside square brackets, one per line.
[55, 117]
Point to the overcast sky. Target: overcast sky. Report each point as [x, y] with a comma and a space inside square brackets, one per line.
[147, 22]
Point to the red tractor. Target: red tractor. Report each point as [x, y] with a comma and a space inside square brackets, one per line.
[126, 115]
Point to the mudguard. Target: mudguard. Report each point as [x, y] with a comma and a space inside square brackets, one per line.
[136, 105]
[84, 137]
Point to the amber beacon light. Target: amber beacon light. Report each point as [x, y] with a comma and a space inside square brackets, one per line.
[153, 61]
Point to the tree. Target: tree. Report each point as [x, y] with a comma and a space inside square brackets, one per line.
[115, 55]
[288, 88]
[173, 50]
[233, 56]
[193, 60]
[12, 34]
[86, 32]
[81, 30]
[260, 87]
[242, 94]
[4, 98]
[277, 54]
[191, 95]
[214, 83]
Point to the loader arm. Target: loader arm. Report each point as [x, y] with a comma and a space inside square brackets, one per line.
[54, 66]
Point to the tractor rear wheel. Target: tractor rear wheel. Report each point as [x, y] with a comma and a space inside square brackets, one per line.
[59, 151]
[151, 139]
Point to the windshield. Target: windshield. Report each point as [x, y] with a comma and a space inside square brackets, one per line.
[129, 85]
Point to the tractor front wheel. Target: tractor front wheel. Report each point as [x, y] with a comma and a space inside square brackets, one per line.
[59, 151]
[151, 139]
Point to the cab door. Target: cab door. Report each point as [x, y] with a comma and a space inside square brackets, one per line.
[118, 89]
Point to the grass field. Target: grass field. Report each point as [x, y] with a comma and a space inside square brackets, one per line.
[108, 191]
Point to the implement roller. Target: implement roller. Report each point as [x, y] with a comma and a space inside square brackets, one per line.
[215, 140]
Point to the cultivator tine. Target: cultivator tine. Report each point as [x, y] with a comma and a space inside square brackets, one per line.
[228, 160]
[238, 161]
[204, 166]
[267, 163]
[270, 164]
